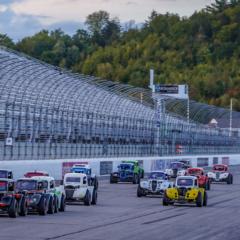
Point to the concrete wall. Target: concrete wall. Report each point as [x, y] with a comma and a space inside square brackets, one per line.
[103, 166]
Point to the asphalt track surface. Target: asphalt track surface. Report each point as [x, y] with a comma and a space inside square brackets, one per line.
[119, 215]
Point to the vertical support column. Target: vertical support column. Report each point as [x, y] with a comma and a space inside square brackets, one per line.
[160, 121]
[230, 124]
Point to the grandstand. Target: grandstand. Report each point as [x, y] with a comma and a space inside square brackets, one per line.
[50, 113]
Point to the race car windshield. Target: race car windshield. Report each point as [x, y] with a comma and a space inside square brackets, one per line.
[3, 174]
[219, 168]
[26, 185]
[184, 182]
[157, 175]
[3, 186]
[126, 167]
[176, 165]
[73, 179]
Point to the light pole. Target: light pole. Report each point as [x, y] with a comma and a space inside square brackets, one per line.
[230, 118]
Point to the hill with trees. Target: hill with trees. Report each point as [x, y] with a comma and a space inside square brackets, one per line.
[202, 50]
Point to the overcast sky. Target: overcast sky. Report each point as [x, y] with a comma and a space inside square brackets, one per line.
[19, 18]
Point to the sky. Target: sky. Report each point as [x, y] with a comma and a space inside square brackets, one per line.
[20, 18]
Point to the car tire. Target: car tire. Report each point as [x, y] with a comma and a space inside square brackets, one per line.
[62, 204]
[165, 200]
[13, 209]
[135, 179]
[139, 192]
[205, 199]
[94, 197]
[209, 185]
[229, 179]
[51, 206]
[56, 204]
[23, 208]
[96, 183]
[42, 210]
[87, 199]
[199, 200]
[112, 179]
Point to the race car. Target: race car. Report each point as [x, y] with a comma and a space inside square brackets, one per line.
[186, 191]
[40, 195]
[35, 173]
[32, 189]
[128, 171]
[77, 189]
[203, 179]
[57, 194]
[86, 169]
[176, 169]
[156, 183]
[6, 174]
[220, 173]
[10, 202]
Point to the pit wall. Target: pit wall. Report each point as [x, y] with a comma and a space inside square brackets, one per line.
[104, 166]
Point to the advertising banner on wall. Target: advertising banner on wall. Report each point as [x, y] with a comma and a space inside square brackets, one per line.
[106, 167]
[66, 166]
[202, 162]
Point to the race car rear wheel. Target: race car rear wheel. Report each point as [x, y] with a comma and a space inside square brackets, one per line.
[113, 179]
[23, 208]
[87, 199]
[62, 204]
[56, 204]
[51, 206]
[230, 179]
[136, 179]
[94, 197]
[209, 185]
[199, 200]
[13, 209]
[205, 199]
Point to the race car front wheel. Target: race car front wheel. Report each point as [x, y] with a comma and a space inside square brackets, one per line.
[13, 209]
[199, 200]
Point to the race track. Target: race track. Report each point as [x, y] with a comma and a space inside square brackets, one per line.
[120, 215]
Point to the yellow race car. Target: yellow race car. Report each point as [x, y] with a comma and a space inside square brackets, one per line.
[186, 191]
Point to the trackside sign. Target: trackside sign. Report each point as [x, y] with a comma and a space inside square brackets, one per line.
[172, 90]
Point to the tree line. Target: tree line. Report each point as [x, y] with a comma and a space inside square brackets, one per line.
[202, 50]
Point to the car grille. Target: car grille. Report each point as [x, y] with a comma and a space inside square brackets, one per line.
[182, 192]
[154, 185]
[69, 190]
[175, 172]
[124, 174]
[217, 175]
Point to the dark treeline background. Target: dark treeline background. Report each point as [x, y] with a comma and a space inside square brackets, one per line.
[202, 50]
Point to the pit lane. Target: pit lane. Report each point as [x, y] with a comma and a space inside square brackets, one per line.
[120, 215]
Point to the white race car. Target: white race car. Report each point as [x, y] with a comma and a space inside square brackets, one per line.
[77, 189]
[220, 173]
[156, 184]
[85, 168]
[176, 169]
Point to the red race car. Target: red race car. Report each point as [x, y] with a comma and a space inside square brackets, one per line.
[203, 179]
